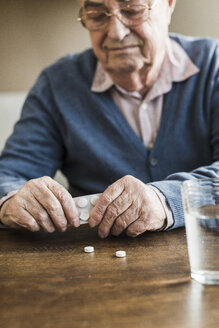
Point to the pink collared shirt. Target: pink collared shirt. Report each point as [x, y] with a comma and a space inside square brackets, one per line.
[144, 113]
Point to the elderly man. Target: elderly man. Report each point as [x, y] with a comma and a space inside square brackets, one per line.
[131, 119]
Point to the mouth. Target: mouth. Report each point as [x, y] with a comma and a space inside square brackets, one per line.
[122, 49]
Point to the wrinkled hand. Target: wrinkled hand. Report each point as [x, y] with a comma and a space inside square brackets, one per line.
[40, 203]
[128, 204]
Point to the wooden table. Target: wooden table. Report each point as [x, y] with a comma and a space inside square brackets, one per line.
[48, 281]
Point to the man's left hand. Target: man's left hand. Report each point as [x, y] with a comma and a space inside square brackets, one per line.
[128, 204]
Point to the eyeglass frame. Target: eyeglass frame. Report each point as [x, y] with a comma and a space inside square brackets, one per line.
[110, 14]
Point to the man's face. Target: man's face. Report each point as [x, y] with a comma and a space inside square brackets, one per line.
[123, 49]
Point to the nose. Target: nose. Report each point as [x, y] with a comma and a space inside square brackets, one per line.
[116, 29]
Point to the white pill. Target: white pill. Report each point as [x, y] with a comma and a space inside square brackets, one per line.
[89, 249]
[94, 200]
[82, 202]
[121, 254]
[84, 215]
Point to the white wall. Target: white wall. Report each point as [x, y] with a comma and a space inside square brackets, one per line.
[33, 34]
[10, 108]
[196, 17]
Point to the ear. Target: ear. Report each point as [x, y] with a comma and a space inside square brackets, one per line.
[171, 5]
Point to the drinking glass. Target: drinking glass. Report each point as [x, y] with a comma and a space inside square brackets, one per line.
[201, 210]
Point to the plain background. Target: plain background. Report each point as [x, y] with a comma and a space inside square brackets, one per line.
[33, 34]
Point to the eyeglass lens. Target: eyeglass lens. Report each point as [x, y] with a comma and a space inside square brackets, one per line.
[129, 14]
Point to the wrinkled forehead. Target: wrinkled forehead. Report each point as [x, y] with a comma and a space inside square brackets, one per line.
[94, 3]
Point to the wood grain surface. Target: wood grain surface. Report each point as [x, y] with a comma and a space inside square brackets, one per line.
[46, 280]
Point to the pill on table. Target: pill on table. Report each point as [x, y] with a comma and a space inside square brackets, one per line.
[89, 249]
[121, 254]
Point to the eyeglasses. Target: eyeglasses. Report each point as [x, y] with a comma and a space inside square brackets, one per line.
[129, 14]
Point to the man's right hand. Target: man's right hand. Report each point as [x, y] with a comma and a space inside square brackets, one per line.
[40, 203]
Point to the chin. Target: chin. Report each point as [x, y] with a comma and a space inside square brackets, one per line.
[124, 65]
[126, 69]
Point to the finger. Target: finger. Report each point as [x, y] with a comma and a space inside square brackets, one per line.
[136, 228]
[25, 220]
[113, 211]
[7, 221]
[68, 205]
[34, 208]
[51, 204]
[105, 199]
[125, 219]
[146, 222]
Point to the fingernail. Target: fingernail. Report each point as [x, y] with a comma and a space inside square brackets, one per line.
[36, 228]
[63, 228]
[51, 229]
[76, 223]
[103, 234]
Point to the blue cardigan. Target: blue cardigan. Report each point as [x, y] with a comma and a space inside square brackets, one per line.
[66, 126]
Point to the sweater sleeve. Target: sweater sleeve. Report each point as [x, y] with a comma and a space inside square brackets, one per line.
[34, 149]
[170, 187]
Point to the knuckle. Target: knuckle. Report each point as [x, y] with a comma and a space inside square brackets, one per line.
[112, 211]
[42, 217]
[106, 221]
[70, 204]
[63, 198]
[137, 228]
[46, 178]
[12, 207]
[105, 224]
[15, 199]
[127, 178]
[96, 212]
[121, 223]
[61, 225]
[131, 233]
[52, 206]
[24, 223]
[106, 197]
[13, 219]
[150, 226]
[30, 183]
[136, 211]
[43, 180]
[33, 228]
[7, 220]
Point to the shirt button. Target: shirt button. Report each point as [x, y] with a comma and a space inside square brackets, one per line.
[144, 106]
[150, 146]
[153, 161]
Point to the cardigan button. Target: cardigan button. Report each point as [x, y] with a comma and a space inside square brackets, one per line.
[144, 106]
[153, 161]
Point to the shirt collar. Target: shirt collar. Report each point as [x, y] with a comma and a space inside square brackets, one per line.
[176, 67]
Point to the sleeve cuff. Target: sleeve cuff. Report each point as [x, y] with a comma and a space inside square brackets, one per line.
[166, 207]
[2, 200]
